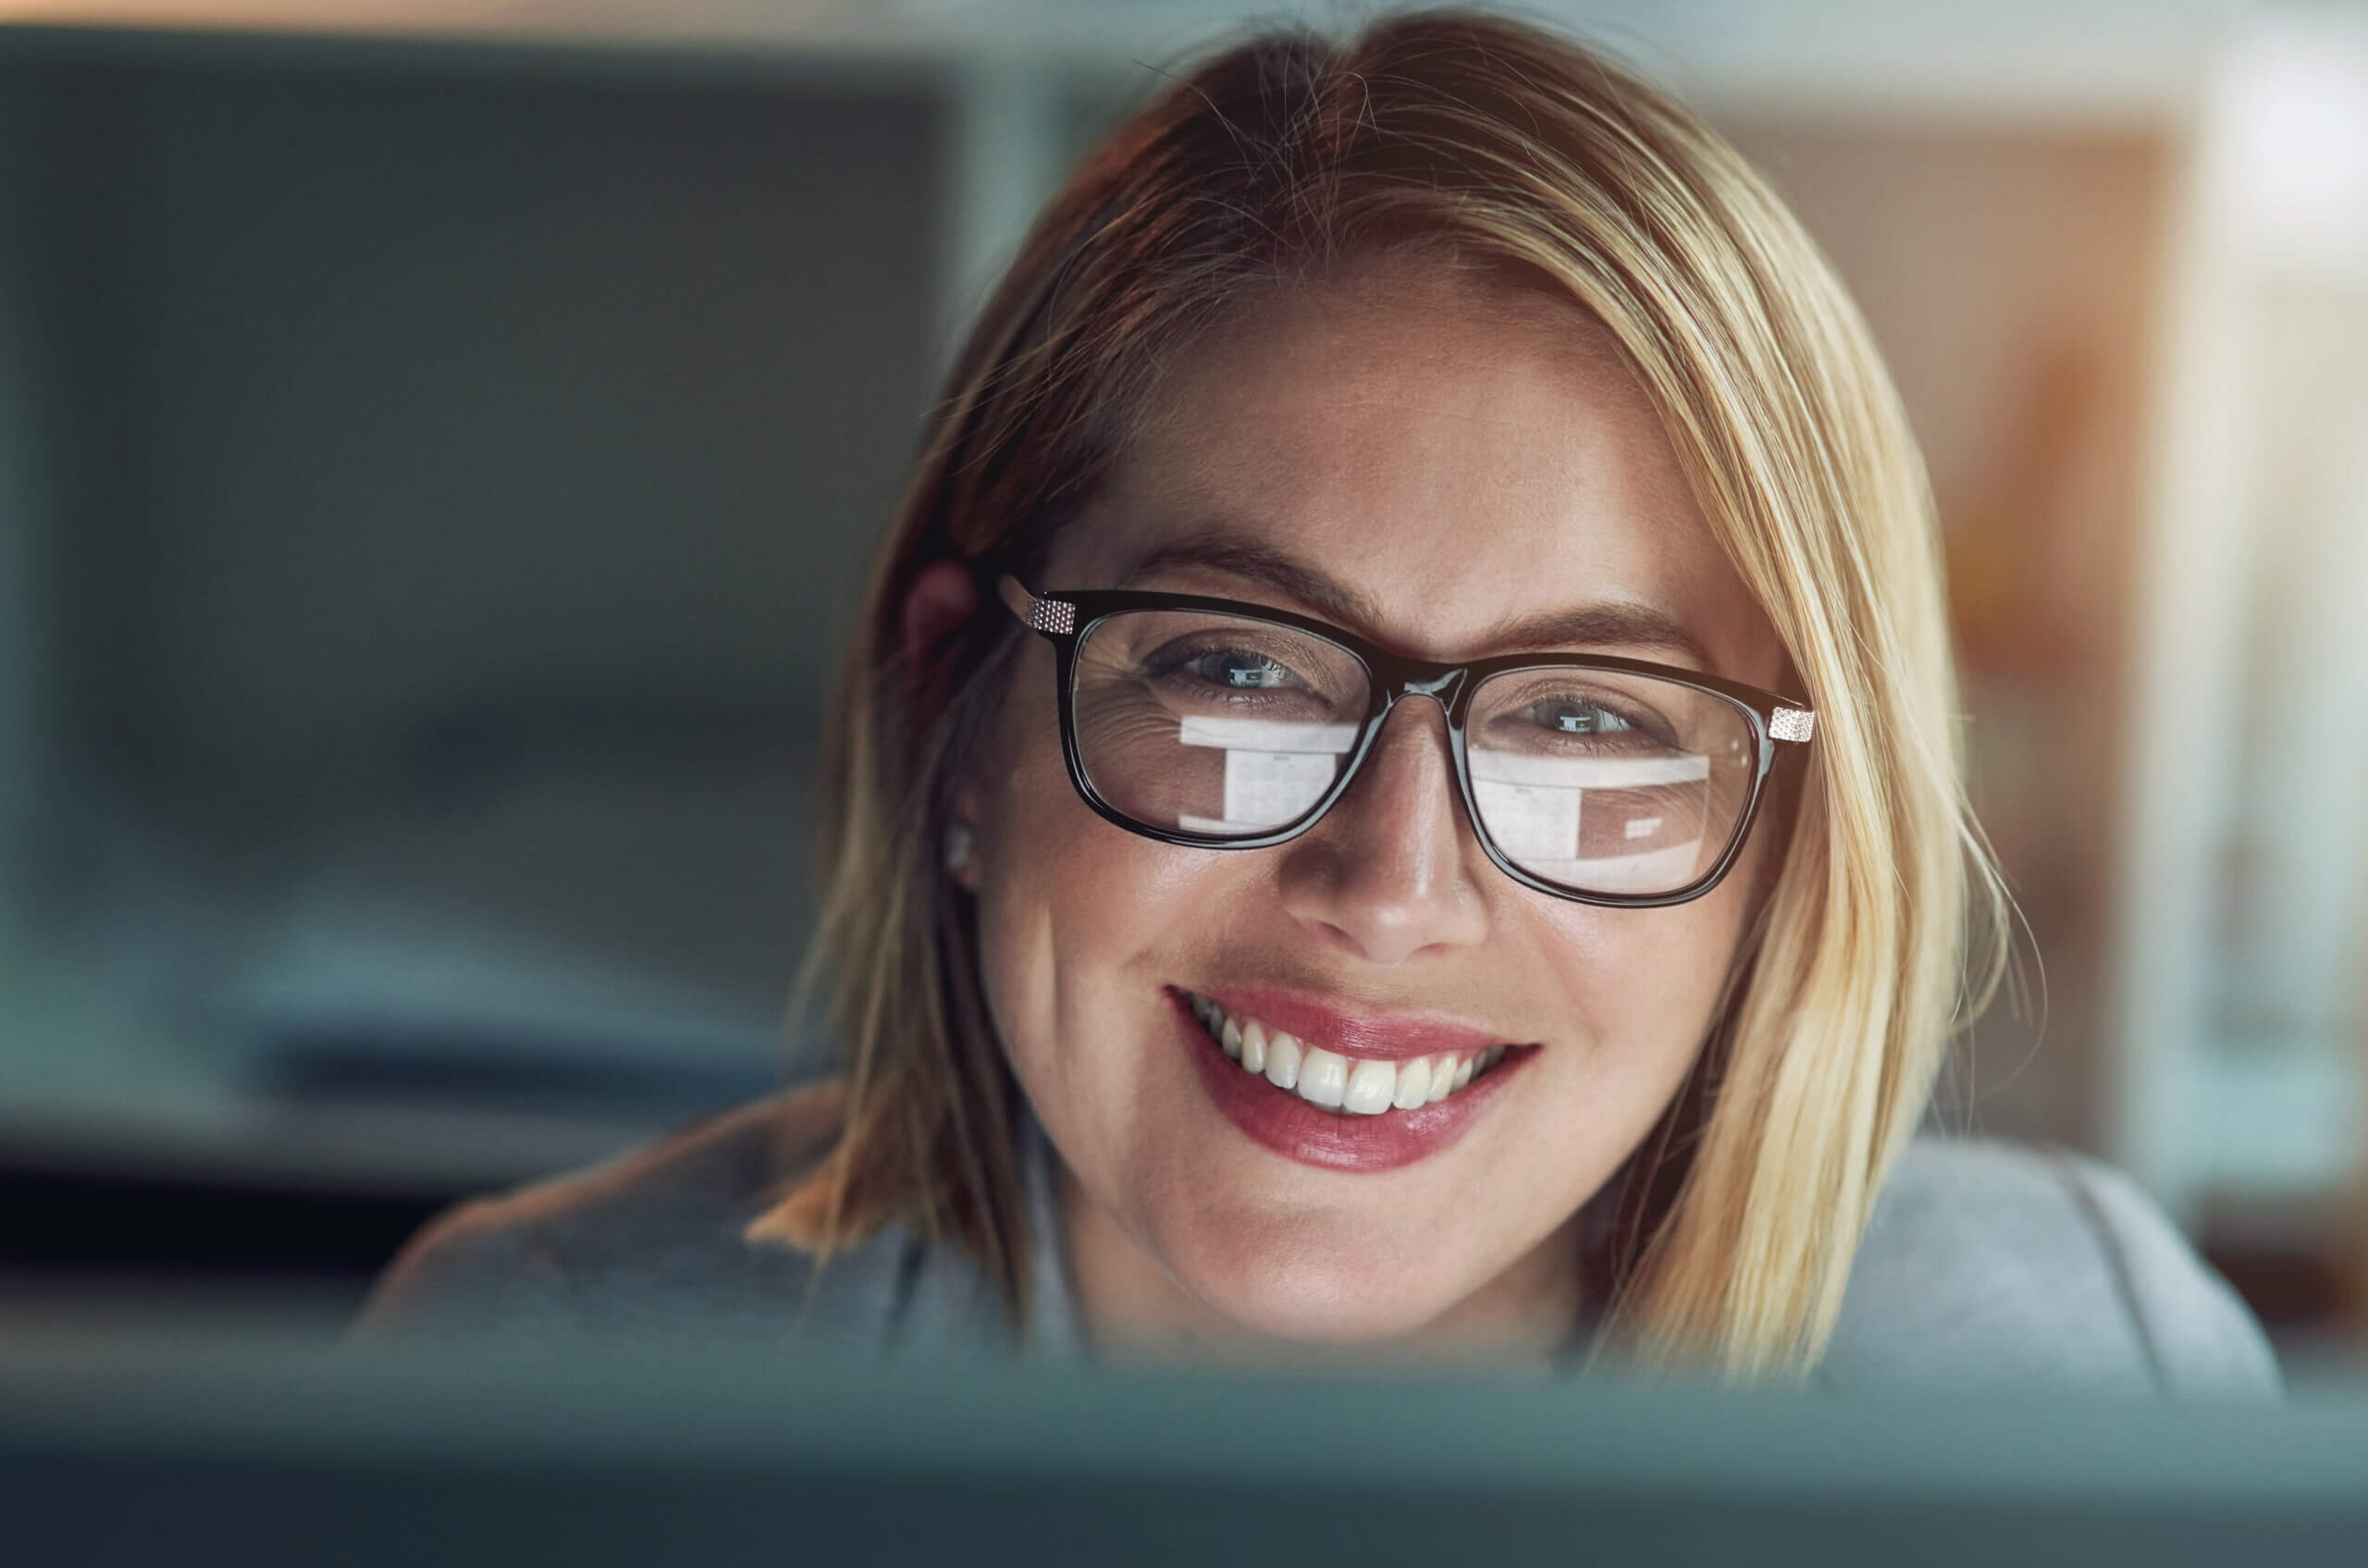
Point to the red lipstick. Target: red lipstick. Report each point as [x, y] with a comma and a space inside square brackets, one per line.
[1280, 1121]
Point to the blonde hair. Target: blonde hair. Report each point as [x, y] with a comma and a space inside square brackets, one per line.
[1480, 142]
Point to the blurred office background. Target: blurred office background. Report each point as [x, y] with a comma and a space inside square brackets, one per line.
[440, 443]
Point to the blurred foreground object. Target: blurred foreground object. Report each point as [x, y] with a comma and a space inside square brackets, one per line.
[240, 1453]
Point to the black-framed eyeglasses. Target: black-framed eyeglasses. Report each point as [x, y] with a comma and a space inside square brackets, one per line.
[1205, 722]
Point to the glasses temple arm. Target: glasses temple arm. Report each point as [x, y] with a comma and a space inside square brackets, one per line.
[1037, 614]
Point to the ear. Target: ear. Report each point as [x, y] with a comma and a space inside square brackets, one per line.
[943, 595]
[941, 598]
[965, 870]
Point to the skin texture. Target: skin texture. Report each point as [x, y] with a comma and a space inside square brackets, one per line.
[1451, 457]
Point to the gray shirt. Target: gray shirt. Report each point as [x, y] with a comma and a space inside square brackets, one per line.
[1984, 1263]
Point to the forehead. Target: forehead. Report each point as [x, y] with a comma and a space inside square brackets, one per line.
[1459, 455]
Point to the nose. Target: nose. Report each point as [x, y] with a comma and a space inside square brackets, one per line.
[1387, 873]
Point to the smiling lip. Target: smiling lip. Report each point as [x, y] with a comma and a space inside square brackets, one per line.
[1291, 1126]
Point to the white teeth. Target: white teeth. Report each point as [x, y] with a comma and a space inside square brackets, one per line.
[1355, 1086]
[1283, 1062]
[1414, 1083]
[1372, 1086]
[1323, 1078]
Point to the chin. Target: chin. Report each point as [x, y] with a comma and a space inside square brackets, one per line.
[1310, 1291]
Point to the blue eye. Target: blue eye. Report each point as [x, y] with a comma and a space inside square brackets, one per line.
[1239, 671]
[1571, 718]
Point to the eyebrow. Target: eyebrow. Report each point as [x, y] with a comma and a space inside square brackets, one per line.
[1621, 625]
[1234, 556]
[1220, 550]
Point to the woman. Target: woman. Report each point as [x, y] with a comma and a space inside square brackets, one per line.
[1396, 795]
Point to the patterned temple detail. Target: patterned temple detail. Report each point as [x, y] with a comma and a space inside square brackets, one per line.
[1053, 615]
[1792, 723]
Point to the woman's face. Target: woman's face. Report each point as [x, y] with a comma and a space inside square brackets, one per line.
[1445, 468]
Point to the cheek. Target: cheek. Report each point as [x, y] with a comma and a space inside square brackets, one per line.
[1023, 803]
[1074, 915]
[1644, 985]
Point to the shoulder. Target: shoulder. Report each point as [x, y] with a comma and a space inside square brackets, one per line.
[1985, 1261]
[652, 1237]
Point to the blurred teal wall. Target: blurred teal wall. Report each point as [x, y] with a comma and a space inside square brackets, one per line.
[25, 523]
[388, 382]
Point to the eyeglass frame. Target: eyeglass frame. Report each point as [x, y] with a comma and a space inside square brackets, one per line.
[1065, 617]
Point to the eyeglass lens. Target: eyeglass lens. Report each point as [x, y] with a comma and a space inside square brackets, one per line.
[1222, 726]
